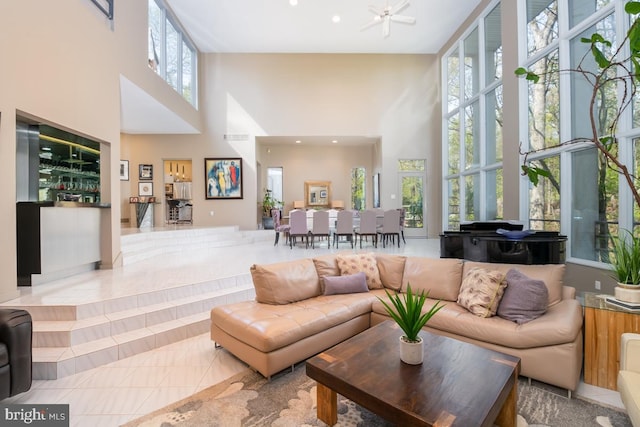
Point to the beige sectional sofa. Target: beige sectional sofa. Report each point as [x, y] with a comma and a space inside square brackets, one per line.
[292, 320]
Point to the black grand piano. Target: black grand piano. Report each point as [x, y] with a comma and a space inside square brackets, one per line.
[503, 242]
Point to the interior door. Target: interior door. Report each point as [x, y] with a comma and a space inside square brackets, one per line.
[412, 185]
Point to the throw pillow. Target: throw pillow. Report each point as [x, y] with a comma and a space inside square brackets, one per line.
[349, 284]
[285, 282]
[525, 299]
[391, 268]
[481, 291]
[351, 264]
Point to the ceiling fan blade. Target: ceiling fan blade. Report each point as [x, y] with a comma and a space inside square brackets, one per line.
[370, 24]
[403, 19]
[374, 10]
[398, 7]
[386, 26]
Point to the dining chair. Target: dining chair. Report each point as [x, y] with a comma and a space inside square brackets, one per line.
[403, 213]
[367, 227]
[278, 226]
[390, 226]
[298, 227]
[320, 227]
[344, 228]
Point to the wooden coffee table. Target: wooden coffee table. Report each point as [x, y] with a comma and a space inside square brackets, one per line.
[458, 384]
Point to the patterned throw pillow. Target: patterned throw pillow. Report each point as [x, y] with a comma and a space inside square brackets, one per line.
[481, 291]
[366, 263]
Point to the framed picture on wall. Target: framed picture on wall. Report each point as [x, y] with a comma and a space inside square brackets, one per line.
[145, 189]
[124, 170]
[145, 172]
[223, 178]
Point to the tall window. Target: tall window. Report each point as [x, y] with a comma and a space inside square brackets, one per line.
[171, 54]
[358, 200]
[591, 208]
[472, 118]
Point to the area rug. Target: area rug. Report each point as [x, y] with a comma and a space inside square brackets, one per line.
[289, 400]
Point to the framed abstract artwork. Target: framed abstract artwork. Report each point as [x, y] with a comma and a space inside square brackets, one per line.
[223, 178]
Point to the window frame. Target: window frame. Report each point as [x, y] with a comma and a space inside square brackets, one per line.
[626, 132]
[477, 100]
[182, 39]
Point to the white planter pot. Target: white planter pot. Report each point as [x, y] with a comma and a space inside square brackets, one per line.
[411, 353]
[627, 293]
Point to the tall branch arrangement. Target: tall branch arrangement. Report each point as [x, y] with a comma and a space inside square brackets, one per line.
[617, 68]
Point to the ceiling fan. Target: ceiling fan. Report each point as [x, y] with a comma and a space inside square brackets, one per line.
[388, 14]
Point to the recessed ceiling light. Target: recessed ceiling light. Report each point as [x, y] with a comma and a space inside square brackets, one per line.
[293, 2]
[336, 19]
[335, 141]
[298, 141]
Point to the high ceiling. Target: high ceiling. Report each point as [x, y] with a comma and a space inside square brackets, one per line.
[270, 26]
[275, 26]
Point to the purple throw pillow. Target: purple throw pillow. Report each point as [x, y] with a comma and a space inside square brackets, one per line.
[524, 299]
[348, 284]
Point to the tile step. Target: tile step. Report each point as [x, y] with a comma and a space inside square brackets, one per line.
[70, 312]
[65, 333]
[51, 363]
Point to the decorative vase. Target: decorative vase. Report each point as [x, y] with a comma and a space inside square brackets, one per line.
[411, 353]
[628, 293]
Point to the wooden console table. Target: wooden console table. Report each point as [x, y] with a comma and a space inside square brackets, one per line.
[603, 326]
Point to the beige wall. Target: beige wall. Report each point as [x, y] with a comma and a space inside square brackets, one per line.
[316, 163]
[58, 66]
[392, 97]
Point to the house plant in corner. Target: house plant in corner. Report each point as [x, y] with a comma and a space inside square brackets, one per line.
[625, 265]
[406, 310]
[268, 203]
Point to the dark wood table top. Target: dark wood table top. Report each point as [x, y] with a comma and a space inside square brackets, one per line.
[458, 384]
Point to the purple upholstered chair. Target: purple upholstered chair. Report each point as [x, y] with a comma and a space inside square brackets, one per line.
[278, 226]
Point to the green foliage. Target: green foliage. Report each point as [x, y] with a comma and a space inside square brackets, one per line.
[269, 202]
[406, 310]
[626, 259]
[534, 173]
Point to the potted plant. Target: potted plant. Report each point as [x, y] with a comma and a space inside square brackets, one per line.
[625, 265]
[268, 203]
[406, 310]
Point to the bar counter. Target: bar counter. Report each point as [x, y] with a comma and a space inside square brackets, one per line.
[57, 239]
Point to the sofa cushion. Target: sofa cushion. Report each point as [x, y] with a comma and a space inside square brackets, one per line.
[326, 265]
[349, 284]
[391, 269]
[365, 262]
[481, 291]
[285, 282]
[551, 274]
[440, 276]
[524, 298]
[268, 327]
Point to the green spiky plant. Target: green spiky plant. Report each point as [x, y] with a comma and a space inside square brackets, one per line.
[406, 310]
[626, 259]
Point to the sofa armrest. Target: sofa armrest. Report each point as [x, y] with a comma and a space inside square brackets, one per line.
[568, 292]
[16, 333]
[630, 352]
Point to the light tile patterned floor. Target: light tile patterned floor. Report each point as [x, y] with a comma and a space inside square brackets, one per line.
[120, 391]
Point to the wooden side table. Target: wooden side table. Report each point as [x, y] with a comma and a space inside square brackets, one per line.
[603, 326]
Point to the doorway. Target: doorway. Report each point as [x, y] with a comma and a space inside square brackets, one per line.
[412, 179]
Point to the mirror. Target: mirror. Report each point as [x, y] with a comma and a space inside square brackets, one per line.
[317, 193]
